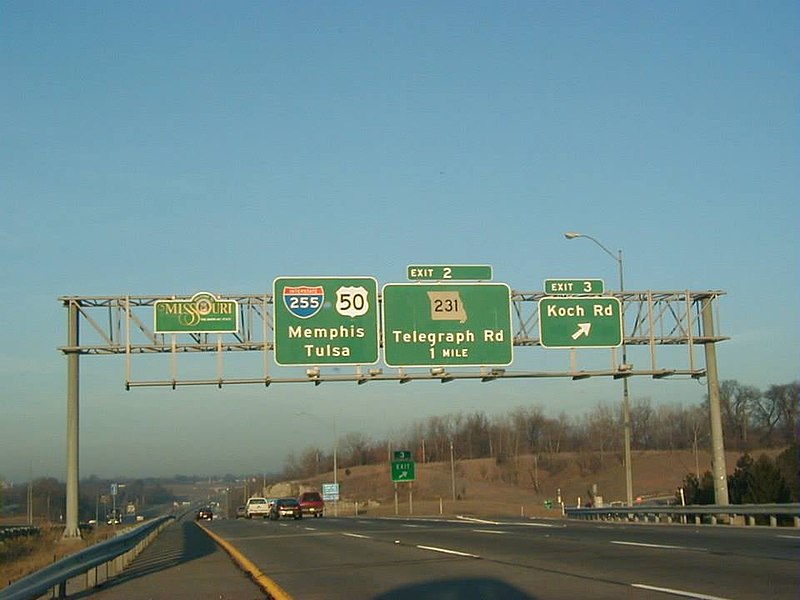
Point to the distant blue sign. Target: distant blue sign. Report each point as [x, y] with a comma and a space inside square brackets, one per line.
[330, 492]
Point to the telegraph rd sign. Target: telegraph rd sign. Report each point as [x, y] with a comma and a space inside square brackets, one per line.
[202, 313]
[403, 470]
[325, 320]
[573, 287]
[458, 324]
[582, 322]
[445, 272]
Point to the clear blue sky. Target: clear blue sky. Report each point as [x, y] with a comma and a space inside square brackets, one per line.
[173, 147]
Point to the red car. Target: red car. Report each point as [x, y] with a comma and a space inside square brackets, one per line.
[311, 503]
[285, 507]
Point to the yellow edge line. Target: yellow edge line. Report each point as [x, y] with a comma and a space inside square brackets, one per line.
[264, 582]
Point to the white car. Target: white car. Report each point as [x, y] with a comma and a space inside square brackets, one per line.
[256, 507]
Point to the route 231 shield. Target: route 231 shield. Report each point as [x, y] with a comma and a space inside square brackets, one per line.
[304, 301]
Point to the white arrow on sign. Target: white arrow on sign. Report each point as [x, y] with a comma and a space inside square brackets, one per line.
[583, 329]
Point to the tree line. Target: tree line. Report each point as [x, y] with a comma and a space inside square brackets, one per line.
[751, 418]
[755, 481]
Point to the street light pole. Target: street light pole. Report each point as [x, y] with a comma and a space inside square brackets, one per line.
[452, 470]
[335, 457]
[626, 406]
[335, 468]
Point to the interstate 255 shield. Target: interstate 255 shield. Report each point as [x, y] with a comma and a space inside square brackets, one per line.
[304, 301]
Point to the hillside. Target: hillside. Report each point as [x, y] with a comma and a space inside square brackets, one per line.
[512, 488]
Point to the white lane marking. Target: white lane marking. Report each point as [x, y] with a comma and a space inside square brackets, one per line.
[410, 525]
[364, 522]
[448, 551]
[311, 528]
[509, 523]
[683, 593]
[788, 537]
[662, 546]
[490, 531]
[357, 535]
[476, 520]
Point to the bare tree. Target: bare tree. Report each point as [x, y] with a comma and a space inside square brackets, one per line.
[776, 412]
[356, 449]
[737, 402]
[602, 430]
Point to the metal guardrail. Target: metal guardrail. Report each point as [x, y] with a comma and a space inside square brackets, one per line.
[117, 551]
[735, 514]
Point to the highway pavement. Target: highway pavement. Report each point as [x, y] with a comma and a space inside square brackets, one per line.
[182, 563]
[516, 559]
[462, 559]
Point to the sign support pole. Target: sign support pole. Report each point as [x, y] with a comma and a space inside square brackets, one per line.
[717, 443]
[71, 529]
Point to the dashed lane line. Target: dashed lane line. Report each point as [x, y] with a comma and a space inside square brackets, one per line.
[682, 593]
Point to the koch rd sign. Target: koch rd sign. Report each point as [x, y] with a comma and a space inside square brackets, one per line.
[464, 324]
[583, 322]
[326, 320]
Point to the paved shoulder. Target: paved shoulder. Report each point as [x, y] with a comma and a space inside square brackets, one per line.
[183, 562]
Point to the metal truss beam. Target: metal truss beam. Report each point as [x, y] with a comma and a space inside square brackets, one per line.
[123, 325]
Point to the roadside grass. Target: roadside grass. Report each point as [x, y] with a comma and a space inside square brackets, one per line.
[22, 556]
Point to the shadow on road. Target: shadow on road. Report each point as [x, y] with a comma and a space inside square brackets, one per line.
[181, 543]
[457, 589]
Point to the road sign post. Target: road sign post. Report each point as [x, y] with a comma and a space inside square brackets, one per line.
[580, 322]
[326, 320]
[443, 324]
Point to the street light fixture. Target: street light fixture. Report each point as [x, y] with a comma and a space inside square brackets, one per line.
[624, 367]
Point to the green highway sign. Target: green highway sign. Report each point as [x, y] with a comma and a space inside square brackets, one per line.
[403, 470]
[449, 272]
[325, 320]
[573, 287]
[580, 322]
[202, 313]
[447, 324]
[402, 454]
